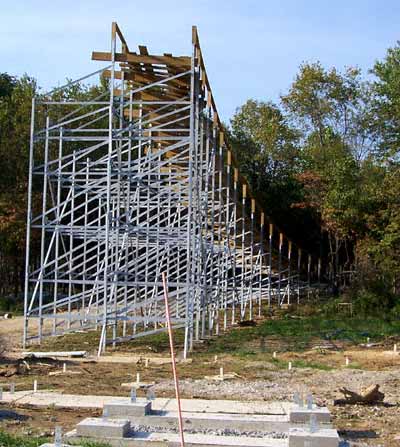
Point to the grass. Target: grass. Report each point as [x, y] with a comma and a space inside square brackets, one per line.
[7, 440]
[285, 333]
[89, 341]
[297, 333]
[313, 365]
[354, 365]
[299, 363]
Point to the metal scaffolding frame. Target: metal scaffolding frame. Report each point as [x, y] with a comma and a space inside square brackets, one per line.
[138, 181]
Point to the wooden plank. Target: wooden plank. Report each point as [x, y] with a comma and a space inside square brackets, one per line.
[175, 61]
[181, 84]
[39, 355]
[155, 96]
[144, 52]
[125, 48]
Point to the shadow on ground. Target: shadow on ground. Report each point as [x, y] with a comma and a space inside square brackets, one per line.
[358, 434]
[12, 415]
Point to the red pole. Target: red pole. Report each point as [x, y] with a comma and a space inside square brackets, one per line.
[171, 345]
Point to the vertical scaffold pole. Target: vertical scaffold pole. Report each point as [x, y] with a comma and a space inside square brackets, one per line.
[190, 224]
[235, 236]
[289, 270]
[271, 232]
[243, 251]
[260, 291]
[103, 337]
[28, 224]
[252, 212]
[280, 268]
[298, 274]
[43, 224]
[227, 253]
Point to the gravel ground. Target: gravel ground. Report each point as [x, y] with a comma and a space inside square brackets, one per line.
[358, 425]
[283, 384]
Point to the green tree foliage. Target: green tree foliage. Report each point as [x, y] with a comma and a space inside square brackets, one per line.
[15, 110]
[329, 108]
[326, 102]
[385, 116]
[271, 144]
[379, 250]
[7, 84]
[269, 155]
[331, 150]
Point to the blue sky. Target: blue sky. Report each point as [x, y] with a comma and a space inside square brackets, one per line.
[252, 48]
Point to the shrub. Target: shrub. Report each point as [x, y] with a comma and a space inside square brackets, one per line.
[374, 296]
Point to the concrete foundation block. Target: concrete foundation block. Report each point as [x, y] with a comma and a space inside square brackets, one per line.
[324, 437]
[128, 409]
[301, 415]
[103, 428]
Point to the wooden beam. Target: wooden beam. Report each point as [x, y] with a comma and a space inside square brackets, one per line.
[177, 86]
[174, 61]
[125, 48]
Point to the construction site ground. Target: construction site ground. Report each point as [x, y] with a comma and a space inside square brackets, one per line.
[317, 350]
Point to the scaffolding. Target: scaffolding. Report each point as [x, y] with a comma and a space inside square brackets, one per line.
[138, 181]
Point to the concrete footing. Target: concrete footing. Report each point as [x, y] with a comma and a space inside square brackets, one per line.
[103, 428]
[141, 413]
[302, 437]
[210, 421]
[301, 415]
[57, 400]
[238, 424]
[127, 409]
[153, 439]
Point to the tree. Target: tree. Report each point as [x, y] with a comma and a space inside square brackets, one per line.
[326, 102]
[7, 84]
[268, 153]
[271, 144]
[379, 250]
[385, 116]
[15, 110]
[330, 109]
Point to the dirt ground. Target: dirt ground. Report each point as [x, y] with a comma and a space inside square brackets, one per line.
[259, 377]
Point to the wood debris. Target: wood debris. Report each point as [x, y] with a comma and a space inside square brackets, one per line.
[368, 396]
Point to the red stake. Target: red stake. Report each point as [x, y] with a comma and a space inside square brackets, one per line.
[171, 344]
